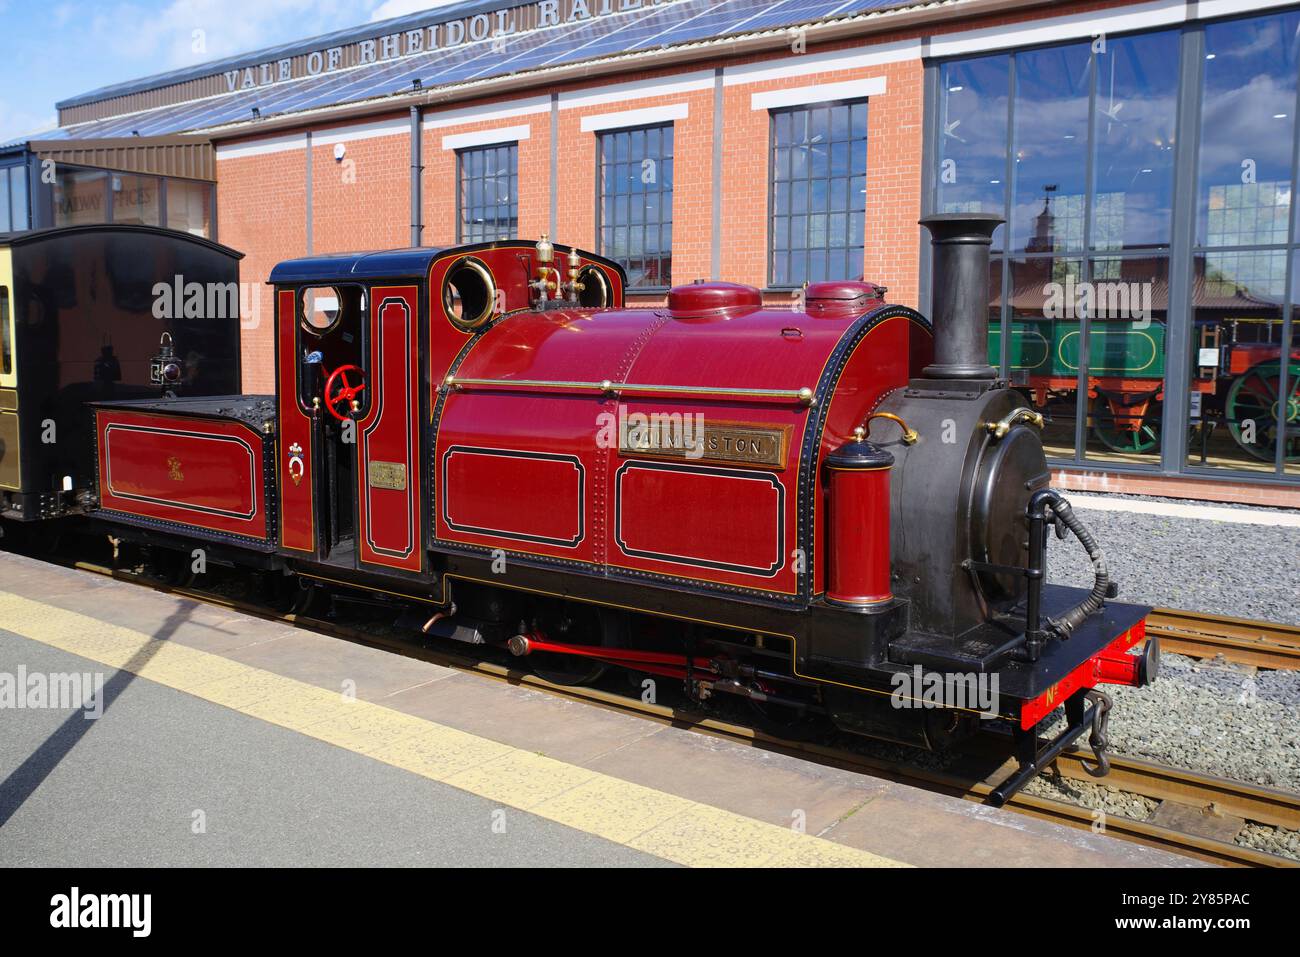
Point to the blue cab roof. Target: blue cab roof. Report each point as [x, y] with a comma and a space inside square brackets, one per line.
[388, 264]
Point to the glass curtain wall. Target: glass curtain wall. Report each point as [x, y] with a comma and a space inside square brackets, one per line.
[1075, 145]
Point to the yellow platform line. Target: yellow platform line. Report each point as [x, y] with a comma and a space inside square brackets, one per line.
[661, 824]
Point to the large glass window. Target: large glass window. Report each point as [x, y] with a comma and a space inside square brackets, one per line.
[1244, 410]
[971, 138]
[1051, 155]
[1133, 142]
[80, 196]
[489, 193]
[1247, 120]
[137, 200]
[1074, 145]
[13, 199]
[189, 207]
[818, 193]
[635, 213]
[20, 216]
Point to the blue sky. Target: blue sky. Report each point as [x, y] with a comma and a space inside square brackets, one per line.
[53, 49]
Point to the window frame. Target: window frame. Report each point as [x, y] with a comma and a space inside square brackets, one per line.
[661, 222]
[512, 177]
[849, 210]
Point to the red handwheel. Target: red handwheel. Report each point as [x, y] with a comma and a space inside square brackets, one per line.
[345, 393]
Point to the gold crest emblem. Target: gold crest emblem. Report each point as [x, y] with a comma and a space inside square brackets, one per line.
[174, 470]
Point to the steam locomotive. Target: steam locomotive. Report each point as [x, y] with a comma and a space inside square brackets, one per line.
[838, 510]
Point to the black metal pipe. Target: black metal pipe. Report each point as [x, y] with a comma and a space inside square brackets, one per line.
[960, 309]
[417, 170]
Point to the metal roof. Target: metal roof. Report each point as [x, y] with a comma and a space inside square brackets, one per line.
[639, 31]
[337, 267]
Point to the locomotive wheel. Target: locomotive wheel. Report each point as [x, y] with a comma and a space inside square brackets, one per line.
[1116, 437]
[573, 670]
[1253, 397]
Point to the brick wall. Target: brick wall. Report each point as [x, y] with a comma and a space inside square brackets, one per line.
[262, 211]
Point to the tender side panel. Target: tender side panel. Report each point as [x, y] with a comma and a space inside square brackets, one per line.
[389, 479]
[196, 472]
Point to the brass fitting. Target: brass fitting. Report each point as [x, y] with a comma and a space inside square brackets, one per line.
[1001, 428]
[910, 435]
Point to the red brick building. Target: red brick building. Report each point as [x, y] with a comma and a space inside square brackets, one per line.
[771, 142]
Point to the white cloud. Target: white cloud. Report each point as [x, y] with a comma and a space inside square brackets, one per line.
[400, 8]
[15, 122]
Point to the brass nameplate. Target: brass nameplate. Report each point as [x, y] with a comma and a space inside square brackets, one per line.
[693, 439]
[391, 475]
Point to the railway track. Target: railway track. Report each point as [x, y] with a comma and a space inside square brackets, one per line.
[1197, 798]
[1258, 643]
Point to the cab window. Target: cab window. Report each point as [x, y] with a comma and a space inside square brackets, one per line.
[331, 323]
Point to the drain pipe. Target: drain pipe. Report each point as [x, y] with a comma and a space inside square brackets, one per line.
[417, 169]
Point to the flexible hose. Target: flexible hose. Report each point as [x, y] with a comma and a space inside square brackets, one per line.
[1063, 626]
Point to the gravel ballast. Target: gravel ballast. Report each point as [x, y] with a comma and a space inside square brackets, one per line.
[1216, 567]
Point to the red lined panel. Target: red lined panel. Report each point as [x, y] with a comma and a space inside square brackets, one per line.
[388, 436]
[522, 496]
[174, 468]
[741, 529]
[294, 452]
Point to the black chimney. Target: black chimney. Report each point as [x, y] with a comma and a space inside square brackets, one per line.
[960, 310]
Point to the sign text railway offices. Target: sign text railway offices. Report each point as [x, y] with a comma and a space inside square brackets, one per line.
[489, 25]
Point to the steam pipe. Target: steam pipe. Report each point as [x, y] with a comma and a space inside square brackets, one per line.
[961, 244]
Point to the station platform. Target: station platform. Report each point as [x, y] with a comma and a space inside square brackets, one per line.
[224, 739]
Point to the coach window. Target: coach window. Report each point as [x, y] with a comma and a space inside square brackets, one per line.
[818, 190]
[6, 336]
[634, 216]
[487, 196]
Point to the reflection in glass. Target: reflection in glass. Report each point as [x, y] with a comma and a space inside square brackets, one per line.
[1041, 317]
[972, 137]
[137, 200]
[1291, 459]
[1127, 303]
[80, 196]
[1133, 141]
[1244, 194]
[1050, 146]
[1237, 300]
